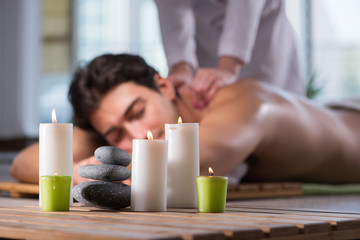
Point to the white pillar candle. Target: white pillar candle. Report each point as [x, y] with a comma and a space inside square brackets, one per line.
[55, 150]
[183, 164]
[149, 175]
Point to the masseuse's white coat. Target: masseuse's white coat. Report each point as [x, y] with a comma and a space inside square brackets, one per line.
[255, 31]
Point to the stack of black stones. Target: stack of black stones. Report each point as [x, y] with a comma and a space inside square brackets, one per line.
[107, 192]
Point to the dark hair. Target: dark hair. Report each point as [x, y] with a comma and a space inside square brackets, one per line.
[91, 82]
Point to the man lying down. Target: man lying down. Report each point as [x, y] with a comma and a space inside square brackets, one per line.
[117, 98]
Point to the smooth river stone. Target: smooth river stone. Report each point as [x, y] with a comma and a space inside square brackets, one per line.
[102, 194]
[104, 172]
[112, 155]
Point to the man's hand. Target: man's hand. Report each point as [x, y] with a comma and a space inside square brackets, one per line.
[76, 177]
[91, 160]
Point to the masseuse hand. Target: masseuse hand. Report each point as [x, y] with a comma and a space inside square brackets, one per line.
[208, 80]
[181, 76]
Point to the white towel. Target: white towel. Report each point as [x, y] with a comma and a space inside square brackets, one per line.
[349, 103]
[237, 174]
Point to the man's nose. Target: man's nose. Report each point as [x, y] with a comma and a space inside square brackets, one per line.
[136, 132]
[126, 145]
[132, 132]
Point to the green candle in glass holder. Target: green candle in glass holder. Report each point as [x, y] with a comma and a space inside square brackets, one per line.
[211, 193]
[55, 192]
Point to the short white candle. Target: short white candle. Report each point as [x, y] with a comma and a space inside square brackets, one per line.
[55, 150]
[149, 175]
[183, 164]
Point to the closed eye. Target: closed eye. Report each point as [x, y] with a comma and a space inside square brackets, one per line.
[137, 110]
[139, 113]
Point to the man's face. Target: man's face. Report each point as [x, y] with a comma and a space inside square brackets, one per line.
[129, 111]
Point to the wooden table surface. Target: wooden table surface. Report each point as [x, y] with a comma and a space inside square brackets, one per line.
[23, 219]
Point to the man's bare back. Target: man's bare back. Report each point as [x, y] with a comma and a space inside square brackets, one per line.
[291, 137]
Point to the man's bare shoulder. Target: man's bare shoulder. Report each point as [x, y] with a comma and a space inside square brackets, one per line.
[242, 102]
[246, 95]
[246, 89]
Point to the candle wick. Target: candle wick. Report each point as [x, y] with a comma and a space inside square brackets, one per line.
[211, 174]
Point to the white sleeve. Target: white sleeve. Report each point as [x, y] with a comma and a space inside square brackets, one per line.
[177, 23]
[240, 28]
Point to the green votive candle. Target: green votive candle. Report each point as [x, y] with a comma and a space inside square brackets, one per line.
[211, 193]
[55, 192]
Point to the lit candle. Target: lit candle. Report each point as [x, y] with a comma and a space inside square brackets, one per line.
[149, 174]
[55, 151]
[211, 192]
[183, 163]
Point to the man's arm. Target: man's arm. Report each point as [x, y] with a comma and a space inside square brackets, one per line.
[25, 166]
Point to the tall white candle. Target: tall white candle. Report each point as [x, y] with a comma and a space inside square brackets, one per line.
[55, 150]
[149, 175]
[183, 164]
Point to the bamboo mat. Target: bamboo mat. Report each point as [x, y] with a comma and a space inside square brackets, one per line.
[264, 190]
[239, 192]
[17, 189]
[22, 218]
[242, 191]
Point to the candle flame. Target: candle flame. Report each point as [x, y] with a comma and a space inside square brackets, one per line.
[179, 120]
[53, 116]
[149, 135]
[211, 171]
[56, 174]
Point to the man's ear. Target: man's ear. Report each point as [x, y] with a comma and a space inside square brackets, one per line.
[165, 87]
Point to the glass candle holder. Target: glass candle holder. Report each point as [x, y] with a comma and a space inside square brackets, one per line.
[211, 194]
[55, 192]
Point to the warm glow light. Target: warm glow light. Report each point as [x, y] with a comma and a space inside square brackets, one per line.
[211, 171]
[179, 120]
[149, 135]
[56, 174]
[53, 116]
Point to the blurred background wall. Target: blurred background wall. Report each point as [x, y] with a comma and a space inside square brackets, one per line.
[43, 41]
[20, 67]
